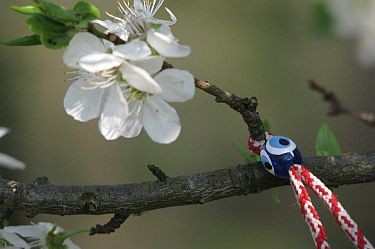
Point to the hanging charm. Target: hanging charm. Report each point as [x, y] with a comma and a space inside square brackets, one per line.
[281, 157]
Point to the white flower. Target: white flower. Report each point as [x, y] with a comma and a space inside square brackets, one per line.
[8, 161]
[152, 111]
[138, 21]
[42, 235]
[122, 84]
[102, 69]
[354, 18]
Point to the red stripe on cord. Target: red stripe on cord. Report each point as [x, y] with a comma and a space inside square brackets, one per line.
[336, 209]
[303, 198]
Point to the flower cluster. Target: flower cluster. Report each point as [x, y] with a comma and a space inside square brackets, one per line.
[8, 161]
[123, 84]
[42, 235]
[353, 18]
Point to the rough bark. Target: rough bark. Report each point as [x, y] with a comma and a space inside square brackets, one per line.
[44, 197]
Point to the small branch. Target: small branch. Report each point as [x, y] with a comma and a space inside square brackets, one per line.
[114, 223]
[336, 108]
[245, 106]
[158, 173]
[192, 189]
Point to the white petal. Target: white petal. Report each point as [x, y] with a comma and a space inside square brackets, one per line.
[133, 124]
[138, 7]
[106, 23]
[27, 231]
[134, 50]
[13, 239]
[81, 45]
[177, 85]
[3, 131]
[160, 120]
[99, 62]
[10, 162]
[82, 101]
[165, 22]
[139, 79]
[151, 64]
[114, 113]
[166, 44]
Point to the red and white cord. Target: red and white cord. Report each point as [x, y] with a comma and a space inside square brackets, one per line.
[256, 146]
[299, 174]
[308, 210]
[342, 217]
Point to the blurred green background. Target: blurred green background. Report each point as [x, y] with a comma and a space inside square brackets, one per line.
[252, 48]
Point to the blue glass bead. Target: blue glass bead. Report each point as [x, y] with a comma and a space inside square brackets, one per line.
[278, 154]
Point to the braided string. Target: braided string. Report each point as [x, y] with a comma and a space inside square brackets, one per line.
[256, 146]
[308, 210]
[299, 173]
[342, 217]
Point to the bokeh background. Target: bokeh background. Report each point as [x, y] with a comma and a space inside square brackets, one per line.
[252, 48]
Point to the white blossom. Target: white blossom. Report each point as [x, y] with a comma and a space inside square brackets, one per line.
[42, 235]
[7, 161]
[123, 86]
[97, 91]
[356, 18]
[152, 111]
[138, 21]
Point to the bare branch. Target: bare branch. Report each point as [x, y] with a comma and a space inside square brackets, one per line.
[336, 108]
[183, 190]
[245, 106]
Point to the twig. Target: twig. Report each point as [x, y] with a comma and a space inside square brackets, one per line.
[177, 191]
[158, 173]
[336, 108]
[114, 223]
[245, 106]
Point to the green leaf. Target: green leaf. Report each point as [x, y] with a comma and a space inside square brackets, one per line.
[56, 12]
[23, 41]
[266, 125]
[326, 143]
[56, 41]
[26, 10]
[322, 19]
[41, 24]
[53, 34]
[86, 11]
[248, 155]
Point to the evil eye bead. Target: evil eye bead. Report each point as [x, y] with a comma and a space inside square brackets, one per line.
[278, 154]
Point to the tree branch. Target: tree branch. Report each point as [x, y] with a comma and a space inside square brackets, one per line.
[245, 106]
[183, 190]
[336, 108]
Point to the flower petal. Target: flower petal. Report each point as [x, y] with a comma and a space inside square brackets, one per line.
[82, 101]
[81, 45]
[13, 239]
[134, 50]
[166, 22]
[26, 231]
[114, 113]
[152, 64]
[117, 28]
[139, 79]
[10, 162]
[3, 131]
[166, 44]
[160, 120]
[177, 85]
[99, 61]
[133, 124]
